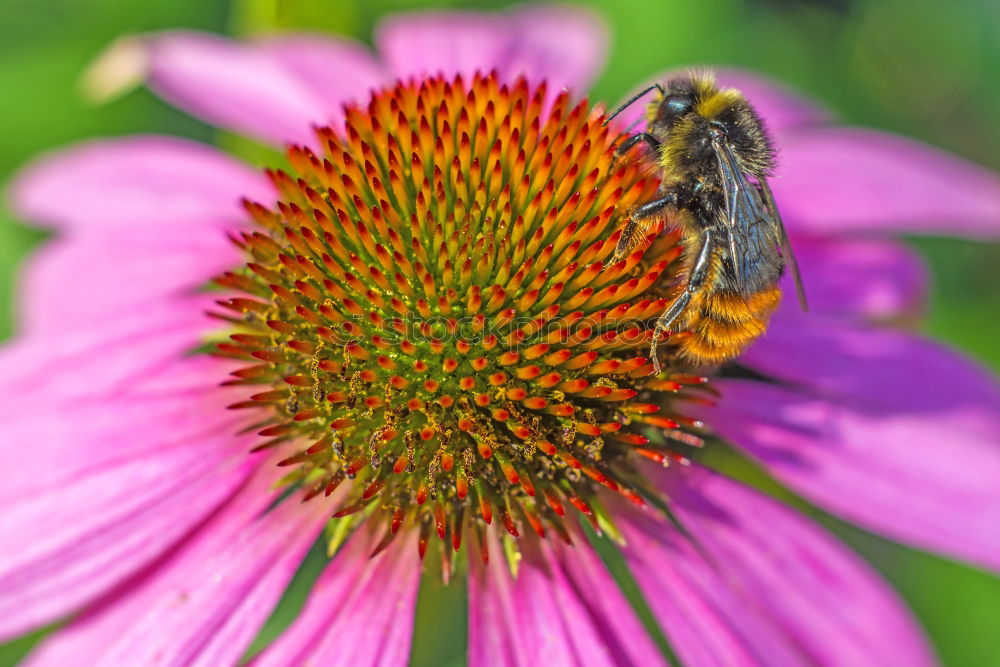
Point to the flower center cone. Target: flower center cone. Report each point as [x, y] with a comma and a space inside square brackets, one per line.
[432, 322]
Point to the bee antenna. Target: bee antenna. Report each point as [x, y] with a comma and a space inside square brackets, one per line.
[633, 100]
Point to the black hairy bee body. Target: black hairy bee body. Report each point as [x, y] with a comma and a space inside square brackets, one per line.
[714, 157]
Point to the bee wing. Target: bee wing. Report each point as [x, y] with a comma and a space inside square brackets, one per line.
[786, 246]
[754, 227]
[748, 225]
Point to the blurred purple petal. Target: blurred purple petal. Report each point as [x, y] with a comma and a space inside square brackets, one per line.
[335, 70]
[563, 608]
[562, 44]
[137, 182]
[204, 602]
[850, 180]
[781, 108]
[752, 583]
[428, 43]
[360, 611]
[566, 46]
[235, 86]
[861, 279]
[277, 89]
[890, 431]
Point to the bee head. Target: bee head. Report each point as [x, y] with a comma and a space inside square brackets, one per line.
[678, 101]
[693, 109]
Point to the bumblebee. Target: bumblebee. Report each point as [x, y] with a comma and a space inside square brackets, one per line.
[714, 157]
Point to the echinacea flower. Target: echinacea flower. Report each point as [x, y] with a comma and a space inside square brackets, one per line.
[418, 335]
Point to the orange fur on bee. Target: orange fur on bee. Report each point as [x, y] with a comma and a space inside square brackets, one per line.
[723, 324]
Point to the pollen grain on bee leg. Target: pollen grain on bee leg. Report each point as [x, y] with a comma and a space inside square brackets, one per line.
[431, 322]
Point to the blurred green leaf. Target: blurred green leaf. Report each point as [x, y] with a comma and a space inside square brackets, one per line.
[13, 652]
[965, 295]
[262, 16]
[440, 635]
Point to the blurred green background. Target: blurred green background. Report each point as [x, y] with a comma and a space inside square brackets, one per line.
[928, 70]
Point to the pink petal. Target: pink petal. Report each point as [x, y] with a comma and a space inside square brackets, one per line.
[69, 547]
[111, 427]
[113, 449]
[236, 86]
[203, 603]
[360, 611]
[115, 443]
[848, 180]
[564, 45]
[127, 352]
[781, 108]
[563, 608]
[751, 582]
[335, 70]
[135, 183]
[75, 281]
[890, 431]
[875, 280]
[168, 202]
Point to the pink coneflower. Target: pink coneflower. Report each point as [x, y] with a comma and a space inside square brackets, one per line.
[418, 335]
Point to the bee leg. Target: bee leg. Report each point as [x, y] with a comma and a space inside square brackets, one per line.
[647, 210]
[695, 280]
[651, 208]
[664, 323]
[624, 242]
[627, 145]
[703, 261]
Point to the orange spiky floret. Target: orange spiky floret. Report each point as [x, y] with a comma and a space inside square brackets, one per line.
[430, 316]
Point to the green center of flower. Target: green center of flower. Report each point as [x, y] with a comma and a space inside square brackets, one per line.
[429, 309]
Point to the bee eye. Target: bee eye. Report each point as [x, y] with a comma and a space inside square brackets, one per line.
[679, 104]
[674, 106]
